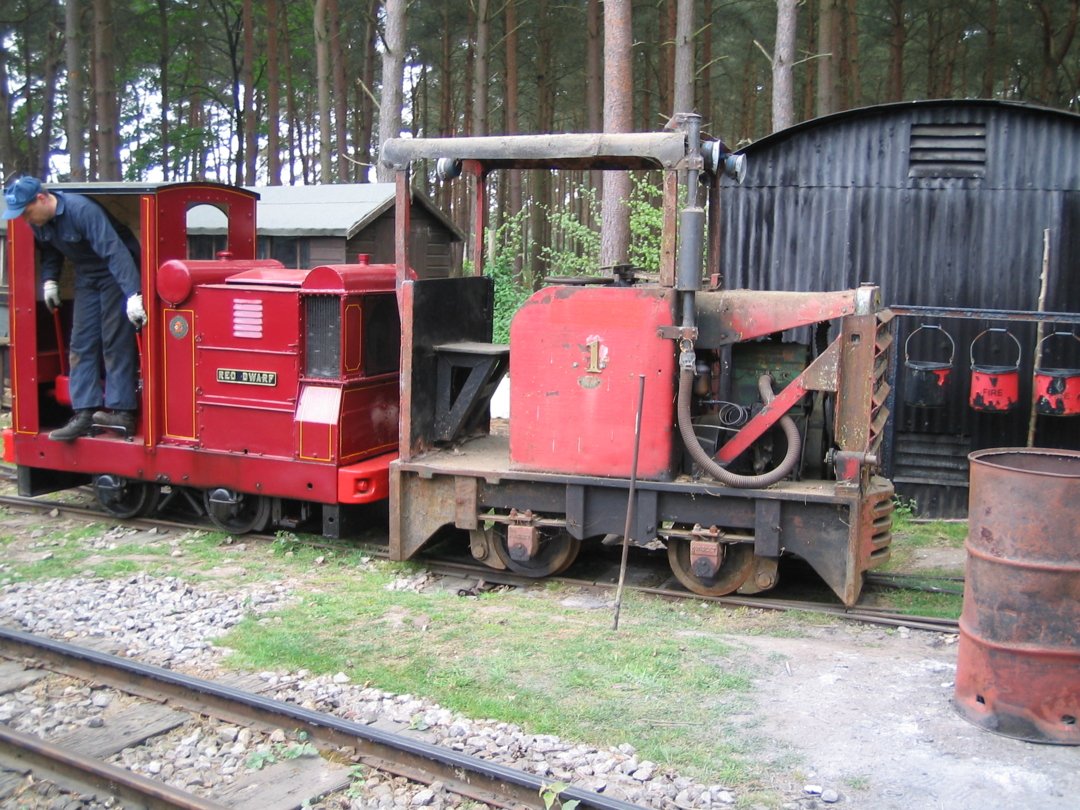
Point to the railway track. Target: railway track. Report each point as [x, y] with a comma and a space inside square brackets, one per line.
[605, 580]
[158, 701]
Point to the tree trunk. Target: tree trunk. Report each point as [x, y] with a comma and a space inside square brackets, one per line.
[808, 103]
[341, 98]
[393, 70]
[108, 118]
[470, 71]
[618, 117]
[783, 91]
[480, 74]
[75, 123]
[8, 162]
[251, 134]
[748, 98]
[541, 182]
[594, 89]
[273, 95]
[594, 67]
[322, 82]
[666, 50]
[850, 83]
[1055, 47]
[897, 38]
[514, 190]
[989, 71]
[933, 51]
[164, 58]
[683, 92]
[827, 57]
[708, 33]
[446, 79]
[52, 60]
[367, 101]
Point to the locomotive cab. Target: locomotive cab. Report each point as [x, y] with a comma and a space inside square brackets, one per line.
[266, 393]
[656, 405]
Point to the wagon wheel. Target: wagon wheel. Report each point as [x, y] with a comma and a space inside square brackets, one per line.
[236, 512]
[558, 550]
[124, 498]
[735, 568]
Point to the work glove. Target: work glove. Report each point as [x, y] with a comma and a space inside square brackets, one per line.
[135, 312]
[52, 295]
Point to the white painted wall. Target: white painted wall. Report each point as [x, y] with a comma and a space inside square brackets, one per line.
[500, 400]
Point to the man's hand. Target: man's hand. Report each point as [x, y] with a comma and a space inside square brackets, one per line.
[135, 312]
[51, 291]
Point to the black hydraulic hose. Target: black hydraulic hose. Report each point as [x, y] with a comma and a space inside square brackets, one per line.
[686, 430]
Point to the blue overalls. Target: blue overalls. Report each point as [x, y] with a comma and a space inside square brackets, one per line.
[104, 254]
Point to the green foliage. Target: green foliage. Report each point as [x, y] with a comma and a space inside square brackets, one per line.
[284, 541]
[550, 795]
[646, 223]
[190, 54]
[581, 251]
[904, 510]
[510, 288]
[578, 253]
[277, 752]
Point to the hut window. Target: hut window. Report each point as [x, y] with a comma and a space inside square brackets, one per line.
[947, 150]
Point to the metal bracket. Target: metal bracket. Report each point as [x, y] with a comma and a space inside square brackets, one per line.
[677, 333]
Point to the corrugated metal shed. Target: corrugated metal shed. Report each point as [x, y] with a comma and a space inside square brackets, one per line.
[943, 204]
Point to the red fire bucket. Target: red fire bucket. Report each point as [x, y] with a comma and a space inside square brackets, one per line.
[1057, 390]
[995, 388]
[928, 380]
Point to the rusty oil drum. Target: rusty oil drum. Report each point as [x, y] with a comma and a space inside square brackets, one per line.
[1018, 660]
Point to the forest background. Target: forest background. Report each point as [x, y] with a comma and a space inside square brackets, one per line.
[283, 92]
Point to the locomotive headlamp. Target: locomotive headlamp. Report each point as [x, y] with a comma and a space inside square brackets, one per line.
[447, 168]
[718, 158]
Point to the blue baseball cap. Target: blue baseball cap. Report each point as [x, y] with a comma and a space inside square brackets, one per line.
[19, 195]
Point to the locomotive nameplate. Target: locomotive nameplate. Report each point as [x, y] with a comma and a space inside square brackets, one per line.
[242, 377]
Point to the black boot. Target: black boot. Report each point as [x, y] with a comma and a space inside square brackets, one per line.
[122, 420]
[78, 425]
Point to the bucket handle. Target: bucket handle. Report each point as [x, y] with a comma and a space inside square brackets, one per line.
[1038, 347]
[1019, 351]
[952, 343]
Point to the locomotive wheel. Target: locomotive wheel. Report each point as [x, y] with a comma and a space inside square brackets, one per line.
[123, 498]
[558, 550]
[736, 568]
[236, 512]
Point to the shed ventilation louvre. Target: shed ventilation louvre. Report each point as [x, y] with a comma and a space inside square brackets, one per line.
[947, 150]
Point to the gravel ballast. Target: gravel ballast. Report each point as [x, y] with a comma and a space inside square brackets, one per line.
[169, 623]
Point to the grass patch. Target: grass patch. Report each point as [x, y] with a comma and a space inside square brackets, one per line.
[666, 683]
[516, 658]
[913, 537]
[922, 603]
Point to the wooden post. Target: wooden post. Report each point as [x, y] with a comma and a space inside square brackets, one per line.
[1040, 330]
[630, 502]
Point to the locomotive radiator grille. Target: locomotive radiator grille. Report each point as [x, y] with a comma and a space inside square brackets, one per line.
[247, 315]
[322, 337]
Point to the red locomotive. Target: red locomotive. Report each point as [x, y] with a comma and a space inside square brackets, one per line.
[667, 409]
[267, 394]
[661, 405]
